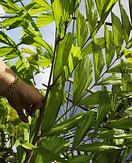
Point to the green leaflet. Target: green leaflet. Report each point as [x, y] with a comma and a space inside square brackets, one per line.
[64, 55]
[130, 7]
[99, 97]
[126, 82]
[27, 145]
[12, 22]
[128, 54]
[111, 156]
[27, 51]
[10, 7]
[36, 41]
[88, 48]
[5, 50]
[43, 3]
[15, 51]
[114, 134]
[91, 14]
[6, 39]
[38, 6]
[123, 123]
[117, 30]
[43, 61]
[100, 5]
[50, 148]
[82, 28]
[82, 128]
[98, 60]
[111, 80]
[126, 23]
[128, 112]
[61, 14]
[66, 125]
[93, 99]
[104, 106]
[63, 11]
[122, 67]
[44, 19]
[98, 147]
[110, 47]
[32, 36]
[52, 108]
[51, 143]
[129, 44]
[11, 54]
[105, 12]
[102, 113]
[82, 78]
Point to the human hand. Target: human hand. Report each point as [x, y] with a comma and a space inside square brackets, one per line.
[26, 98]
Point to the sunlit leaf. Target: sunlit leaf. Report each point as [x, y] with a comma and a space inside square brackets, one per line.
[28, 145]
[128, 54]
[104, 108]
[123, 123]
[117, 30]
[122, 67]
[52, 108]
[82, 28]
[6, 39]
[10, 7]
[66, 125]
[43, 3]
[88, 48]
[63, 52]
[82, 78]
[107, 7]
[82, 128]
[38, 6]
[110, 81]
[5, 50]
[36, 41]
[130, 7]
[99, 97]
[63, 11]
[126, 23]
[50, 148]
[44, 19]
[98, 60]
[43, 61]
[128, 112]
[91, 14]
[98, 147]
[12, 22]
[100, 5]
[113, 134]
[110, 47]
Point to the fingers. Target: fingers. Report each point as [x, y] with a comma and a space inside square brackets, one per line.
[37, 104]
[21, 114]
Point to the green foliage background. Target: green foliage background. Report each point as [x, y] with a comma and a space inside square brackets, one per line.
[87, 114]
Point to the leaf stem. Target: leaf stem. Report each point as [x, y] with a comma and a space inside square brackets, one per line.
[41, 116]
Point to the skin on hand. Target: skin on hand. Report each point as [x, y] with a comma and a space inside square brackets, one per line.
[25, 97]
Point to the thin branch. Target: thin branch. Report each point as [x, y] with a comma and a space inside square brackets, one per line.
[107, 23]
[35, 16]
[41, 116]
[82, 107]
[64, 114]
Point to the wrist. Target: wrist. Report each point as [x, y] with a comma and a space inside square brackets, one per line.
[6, 79]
